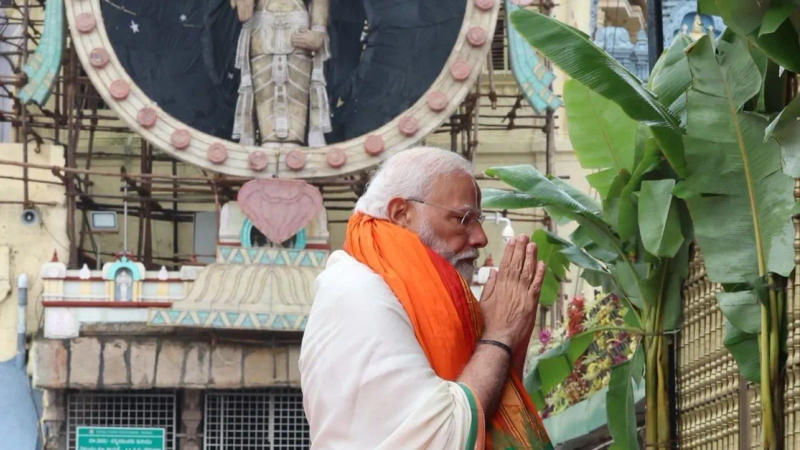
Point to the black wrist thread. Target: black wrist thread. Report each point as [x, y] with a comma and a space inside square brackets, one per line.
[497, 344]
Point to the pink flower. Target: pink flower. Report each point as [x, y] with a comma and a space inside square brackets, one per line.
[545, 336]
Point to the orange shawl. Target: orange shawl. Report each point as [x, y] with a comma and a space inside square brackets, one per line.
[446, 318]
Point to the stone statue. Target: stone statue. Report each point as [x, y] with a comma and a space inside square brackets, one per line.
[281, 52]
[124, 285]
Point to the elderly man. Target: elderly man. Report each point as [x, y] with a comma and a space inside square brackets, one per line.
[397, 354]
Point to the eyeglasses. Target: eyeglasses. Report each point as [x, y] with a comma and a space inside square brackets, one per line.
[466, 218]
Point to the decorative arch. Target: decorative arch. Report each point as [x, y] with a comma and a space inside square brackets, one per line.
[123, 263]
[201, 149]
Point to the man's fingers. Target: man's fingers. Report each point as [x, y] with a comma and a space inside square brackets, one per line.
[488, 288]
[529, 265]
[508, 253]
[538, 279]
[518, 259]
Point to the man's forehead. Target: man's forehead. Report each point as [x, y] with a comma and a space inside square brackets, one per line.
[457, 190]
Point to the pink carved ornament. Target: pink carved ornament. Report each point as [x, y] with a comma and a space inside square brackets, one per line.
[119, 89]
[98, 58]
[85, 22]
[484, 5]
[460, 70]
[336, 157]
[408, 125]
[279, 208]
[476, 36]
[373, 144]
[257, 161]
[437, 101]
[180, 139]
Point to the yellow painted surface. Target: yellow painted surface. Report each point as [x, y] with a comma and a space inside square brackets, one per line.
[29, 245]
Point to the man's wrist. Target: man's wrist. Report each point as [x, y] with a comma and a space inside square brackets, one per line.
[497, 344]
[505, 338]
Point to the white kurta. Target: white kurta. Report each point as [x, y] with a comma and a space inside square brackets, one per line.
[366, 381]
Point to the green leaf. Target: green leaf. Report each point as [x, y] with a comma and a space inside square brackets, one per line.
[586, 201]
[783, 46]
[572, 252]
[601, 133]
[557, 265]
[778, 39]
[659, 227]
[742, 16]
[670, 144]
[744, 349]
[742, 309]
[735, 190]
[602, 180]
[637, 364]
[670, 77]
[628, 280]
[621, 408]
[778, 12]
[677, 272]
[618, 210]
[552, 367]
[527, 180]
[505, 199]
[785, 129]
[584, 61]
[707, 7]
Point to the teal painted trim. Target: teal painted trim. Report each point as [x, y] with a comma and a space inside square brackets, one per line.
[43, 66]
[247, 228]
[300, 240]
[532, 76]
[473, 426]
[124, 263]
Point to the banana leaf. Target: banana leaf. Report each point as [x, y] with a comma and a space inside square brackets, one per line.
[579, 57]
[785, 130]
[735, 189]
[557, 265]
[766, 25]
[621, 408]
[659, 226]
[670, 77]
[737, 194]
[552, 367]
[602, 135]
[544, 192]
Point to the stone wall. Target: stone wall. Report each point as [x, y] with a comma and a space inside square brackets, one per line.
[23, 248]
[118, 363]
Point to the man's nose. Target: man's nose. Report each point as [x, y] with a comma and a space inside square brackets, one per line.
[477, 237]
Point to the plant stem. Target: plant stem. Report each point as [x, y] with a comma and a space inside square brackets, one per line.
[767, 420]
[651, 394]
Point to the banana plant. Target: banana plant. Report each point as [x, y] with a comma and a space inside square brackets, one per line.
[737, 193]
[703, 156]
[645, 270]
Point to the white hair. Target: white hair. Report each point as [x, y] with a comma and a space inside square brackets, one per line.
[409, 174]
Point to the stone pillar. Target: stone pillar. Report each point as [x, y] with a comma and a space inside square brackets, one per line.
[191, 416]
[53, 418]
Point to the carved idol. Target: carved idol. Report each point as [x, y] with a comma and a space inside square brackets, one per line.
[281, 52]
[123, 282]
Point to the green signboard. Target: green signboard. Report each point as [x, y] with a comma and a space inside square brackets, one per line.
[108, 438]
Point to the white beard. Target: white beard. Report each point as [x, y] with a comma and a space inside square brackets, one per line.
[464, 262]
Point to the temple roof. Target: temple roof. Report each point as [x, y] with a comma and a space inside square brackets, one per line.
[244, 296]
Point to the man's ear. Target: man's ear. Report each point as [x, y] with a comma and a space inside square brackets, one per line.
[398, 212]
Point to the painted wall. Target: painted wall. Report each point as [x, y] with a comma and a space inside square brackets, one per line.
[23, 248]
